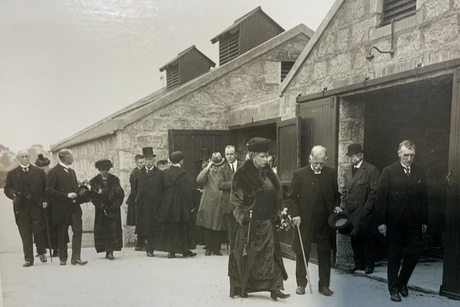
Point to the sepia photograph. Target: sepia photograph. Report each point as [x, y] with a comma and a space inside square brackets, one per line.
[231, 153]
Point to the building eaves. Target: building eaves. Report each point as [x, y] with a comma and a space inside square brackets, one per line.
[176, 59]
[129, 115]
[233, 28]
[309, 47]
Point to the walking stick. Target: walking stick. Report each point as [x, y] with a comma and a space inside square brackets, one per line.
[48, 234]
[304, 259]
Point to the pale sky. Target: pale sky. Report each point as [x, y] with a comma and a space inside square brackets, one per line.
[65, 64]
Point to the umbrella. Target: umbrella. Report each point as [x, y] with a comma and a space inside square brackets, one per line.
[245, 256]
[304, 259]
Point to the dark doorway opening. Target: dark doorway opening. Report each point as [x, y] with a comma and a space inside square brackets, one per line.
[420, 112]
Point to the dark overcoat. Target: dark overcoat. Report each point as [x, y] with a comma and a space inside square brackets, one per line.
[60, 184]
[301, 202]
[131, 201]
[150, 191]
[37, 180]
[397, 192]
[358, 198]
[107, 199]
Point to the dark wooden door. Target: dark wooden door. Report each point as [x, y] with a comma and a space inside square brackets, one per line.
[190, 142]
[451, 271]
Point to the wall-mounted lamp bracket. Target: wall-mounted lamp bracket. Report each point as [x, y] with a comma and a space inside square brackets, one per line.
[370, 56]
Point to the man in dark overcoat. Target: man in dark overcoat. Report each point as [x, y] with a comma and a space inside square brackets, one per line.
[402, 216]
[26, 186]
[358, 201]
[225, 185]
[312, 198]
[131, 201]
[62, 190]
[150, 190]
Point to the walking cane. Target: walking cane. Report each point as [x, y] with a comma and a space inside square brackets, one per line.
[304, 259]
[48, 234]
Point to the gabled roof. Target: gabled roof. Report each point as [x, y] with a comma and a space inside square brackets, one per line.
[162, 98]
[181, 54]
[233, 28]
[311, 43]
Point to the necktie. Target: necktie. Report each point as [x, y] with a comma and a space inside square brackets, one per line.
[354, 170]
[233, 169]
[147, 170]
[407, 171]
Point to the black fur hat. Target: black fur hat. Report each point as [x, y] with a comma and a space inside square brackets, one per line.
[42, 161]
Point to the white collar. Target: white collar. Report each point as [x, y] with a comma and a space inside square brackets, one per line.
[64, 165]
[359, 164]
[406, 167]
[311, 166]
[24, 167]
[176, 164]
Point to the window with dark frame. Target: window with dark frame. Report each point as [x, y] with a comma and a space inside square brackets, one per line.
[286, 68]
[397, 9]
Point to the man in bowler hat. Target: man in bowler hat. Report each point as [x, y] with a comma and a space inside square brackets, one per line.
[62, 189]
[402, 213]
[358, 201]
[312, 198]
[26, 186]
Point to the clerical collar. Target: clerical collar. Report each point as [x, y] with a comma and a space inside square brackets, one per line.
[27, 166]
[176, 164]
[359, 164]
[315, 172]
[64, 166]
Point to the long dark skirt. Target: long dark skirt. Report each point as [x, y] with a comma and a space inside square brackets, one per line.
[264, 262]
[175, 237]
[107, 232]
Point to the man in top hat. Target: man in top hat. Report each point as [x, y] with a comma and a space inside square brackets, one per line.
[225, 185]
[402, 216]
[312, 198]
[26, 186]
[131, 201]
[62, 189]
[358, 201]
[149, 195]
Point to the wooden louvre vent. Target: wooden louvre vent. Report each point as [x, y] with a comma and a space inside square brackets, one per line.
[286, 68]
[397, 9]
[172, 77]
[229, 48]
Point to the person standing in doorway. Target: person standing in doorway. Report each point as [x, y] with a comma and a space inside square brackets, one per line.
[26, 186]
[402, 216]
[358, 201]
[312, 198]
[61, 189]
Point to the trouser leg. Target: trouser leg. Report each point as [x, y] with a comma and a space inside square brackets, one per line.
[37, 218]
[369, 251]
[357, 243]
[25, 231]
[62, 232]
[394, 261]
[414, 249]
[324, 262]
[77, 229]
[208, 239]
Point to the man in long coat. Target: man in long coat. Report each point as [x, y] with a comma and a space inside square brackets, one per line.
[61, 189]
[402, 216]
[225, 185]
[131, 201]
[358, 200]
[26, 186]
[150, 190]
[312, 198]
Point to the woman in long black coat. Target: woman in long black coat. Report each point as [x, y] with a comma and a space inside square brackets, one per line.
[107, 197]
[255, 262]
[175, 219]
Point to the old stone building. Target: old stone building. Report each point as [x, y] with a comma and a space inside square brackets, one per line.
[378, 72]
[192, 115]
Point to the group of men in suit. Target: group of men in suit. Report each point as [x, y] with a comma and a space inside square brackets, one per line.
[394, 204]
[31, 189]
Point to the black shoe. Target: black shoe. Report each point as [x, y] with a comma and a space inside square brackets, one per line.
[300, 290]
[189, 254]
[355, 268]
[63, 262]
[278, 294]
[55, 253]
[208, 253]
[217, 253]
[43, 258]
[326, 291]
[110, 256]
[171, 255]
[150, 254]
[27, 264]
[79, 262]
[404, 291]
[395, 297]
[369, 270]
[140, 248]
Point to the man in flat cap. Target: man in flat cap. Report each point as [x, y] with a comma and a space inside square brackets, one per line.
[26, 186]
[149, 195]
[312, 198]
[358, 200]
[62, 190]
